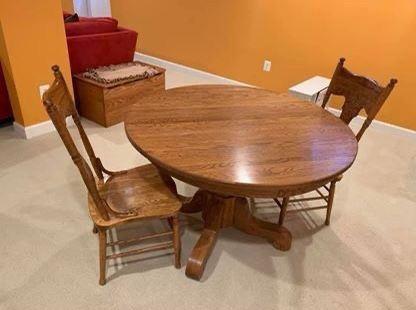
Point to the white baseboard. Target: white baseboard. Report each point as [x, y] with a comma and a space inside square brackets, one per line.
[178, 67]
[47, 126]
[359, 121]
[32, 131]
[36, 130]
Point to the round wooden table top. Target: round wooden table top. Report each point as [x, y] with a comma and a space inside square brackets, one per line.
[241, 141]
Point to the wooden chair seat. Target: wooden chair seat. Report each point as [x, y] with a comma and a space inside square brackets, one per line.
[137, 194]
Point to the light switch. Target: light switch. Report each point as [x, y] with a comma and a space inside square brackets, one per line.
[267, 66]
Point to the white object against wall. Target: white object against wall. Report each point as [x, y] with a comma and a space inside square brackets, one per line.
[312, 89]
[92, 7]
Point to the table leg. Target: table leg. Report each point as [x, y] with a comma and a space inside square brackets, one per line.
[280, 237]
[220, 212]
[194, 204]
[200, 254]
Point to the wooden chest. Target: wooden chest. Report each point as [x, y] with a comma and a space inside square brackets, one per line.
[107, 104]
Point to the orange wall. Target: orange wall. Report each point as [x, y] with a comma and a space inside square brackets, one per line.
[32, 40]
[301, 38]
[68, 5]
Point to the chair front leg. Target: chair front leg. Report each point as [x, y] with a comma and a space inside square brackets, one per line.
[102, 245]
[330, 202]
[176, 240]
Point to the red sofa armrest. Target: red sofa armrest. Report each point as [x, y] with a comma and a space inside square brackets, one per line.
[94, 50]
[5, 107]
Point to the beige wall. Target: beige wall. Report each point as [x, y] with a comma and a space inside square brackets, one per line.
[232, 38]
[32, 40]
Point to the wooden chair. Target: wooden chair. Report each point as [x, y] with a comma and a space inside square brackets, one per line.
[126, 196]
[360, 93]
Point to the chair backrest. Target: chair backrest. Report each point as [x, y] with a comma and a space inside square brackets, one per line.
[59, 105]
[359, 93]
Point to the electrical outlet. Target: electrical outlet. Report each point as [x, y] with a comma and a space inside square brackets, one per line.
[42, 89]
[267, 66]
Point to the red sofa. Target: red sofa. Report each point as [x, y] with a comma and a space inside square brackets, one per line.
[6, 112]
[98, 41]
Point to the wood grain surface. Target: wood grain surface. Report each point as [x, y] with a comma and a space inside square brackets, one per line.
[241, 141]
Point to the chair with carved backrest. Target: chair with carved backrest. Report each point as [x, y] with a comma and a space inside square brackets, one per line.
[125, 196]
[360, 93]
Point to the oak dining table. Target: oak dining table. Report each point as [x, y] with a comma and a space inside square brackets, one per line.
[234, 142]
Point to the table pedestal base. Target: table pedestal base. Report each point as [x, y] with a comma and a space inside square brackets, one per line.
[220, 212]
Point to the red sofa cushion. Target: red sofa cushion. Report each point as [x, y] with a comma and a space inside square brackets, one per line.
[103, 49]
[91, 26]
[98, 41]
[88, 19]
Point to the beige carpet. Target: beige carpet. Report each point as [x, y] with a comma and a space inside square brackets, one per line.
[364, 260]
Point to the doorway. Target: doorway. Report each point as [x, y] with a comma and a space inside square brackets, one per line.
[92, 7]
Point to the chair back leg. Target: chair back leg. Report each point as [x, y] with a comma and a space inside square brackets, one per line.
[330, 202]
[176, 241]
[283, 210]
[102, 236]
